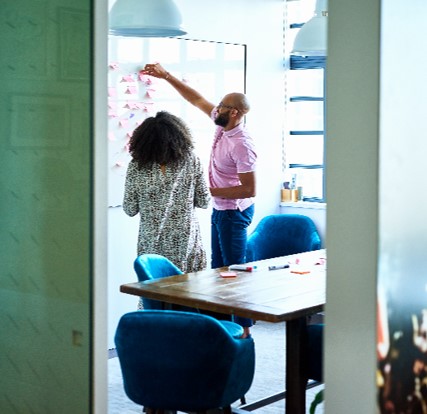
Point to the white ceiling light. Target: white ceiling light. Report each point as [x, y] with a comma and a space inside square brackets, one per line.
[312, 40]
[145, 18]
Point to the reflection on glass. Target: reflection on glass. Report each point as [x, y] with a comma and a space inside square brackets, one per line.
[45, 219]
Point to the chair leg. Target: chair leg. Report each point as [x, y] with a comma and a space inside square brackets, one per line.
[243, 400]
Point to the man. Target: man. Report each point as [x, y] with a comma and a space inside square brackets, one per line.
[231, 170]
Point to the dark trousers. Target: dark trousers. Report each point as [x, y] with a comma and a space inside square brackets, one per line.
[229, 235]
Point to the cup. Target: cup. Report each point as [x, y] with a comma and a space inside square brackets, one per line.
[285, 195]
[294, 195]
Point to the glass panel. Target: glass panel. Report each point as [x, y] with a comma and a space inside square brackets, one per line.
[304, 149]
[131, 53]
[305, 116]
[310, 180]
[45, 222]
[161, 50]
[201, 51]
[305, 82]
[300, 11]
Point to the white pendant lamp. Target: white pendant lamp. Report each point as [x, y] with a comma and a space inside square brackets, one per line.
[312, 39]
[145, 18]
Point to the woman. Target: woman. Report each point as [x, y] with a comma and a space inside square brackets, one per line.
[164, 184]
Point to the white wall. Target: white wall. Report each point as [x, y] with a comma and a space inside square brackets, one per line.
[235, 22]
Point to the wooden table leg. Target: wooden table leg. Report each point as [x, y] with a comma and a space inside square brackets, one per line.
[295, 381]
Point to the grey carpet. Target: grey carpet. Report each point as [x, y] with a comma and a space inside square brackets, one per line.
[269, 374]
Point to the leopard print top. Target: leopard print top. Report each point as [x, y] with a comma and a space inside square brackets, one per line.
[166, 203]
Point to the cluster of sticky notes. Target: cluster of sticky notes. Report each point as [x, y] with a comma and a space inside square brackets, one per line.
[130, 94]
[302, 267]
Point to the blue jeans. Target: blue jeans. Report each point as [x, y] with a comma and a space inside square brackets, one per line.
[229, 236]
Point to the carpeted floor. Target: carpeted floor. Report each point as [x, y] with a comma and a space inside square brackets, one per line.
[269, 374]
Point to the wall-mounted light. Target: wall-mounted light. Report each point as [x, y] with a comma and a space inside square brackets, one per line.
[145, 18]
[312, 38]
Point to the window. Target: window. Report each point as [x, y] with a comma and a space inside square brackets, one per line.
[304, 141]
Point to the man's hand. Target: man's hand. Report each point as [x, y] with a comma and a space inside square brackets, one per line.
[187, 92]
[156, 70]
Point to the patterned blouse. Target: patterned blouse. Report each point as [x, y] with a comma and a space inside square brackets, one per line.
[166, 203]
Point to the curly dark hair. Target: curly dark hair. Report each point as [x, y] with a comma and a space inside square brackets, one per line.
[162, 139]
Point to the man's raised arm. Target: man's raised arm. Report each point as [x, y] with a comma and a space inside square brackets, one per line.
[186, 91]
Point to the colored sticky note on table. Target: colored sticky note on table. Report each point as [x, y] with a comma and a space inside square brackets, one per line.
[228, 274]
[300, 271]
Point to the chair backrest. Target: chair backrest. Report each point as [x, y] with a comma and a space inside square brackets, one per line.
[281, 235]
[182, 361]
[153, 266]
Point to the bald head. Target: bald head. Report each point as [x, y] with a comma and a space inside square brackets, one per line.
[239, 101]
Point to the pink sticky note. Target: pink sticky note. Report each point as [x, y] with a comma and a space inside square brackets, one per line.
[124, 123]
[130, 105]
[228, 274]
[127, 78]
[112, 91]
[131, 90]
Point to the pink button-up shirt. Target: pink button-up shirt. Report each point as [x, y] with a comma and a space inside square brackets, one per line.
[233, 152]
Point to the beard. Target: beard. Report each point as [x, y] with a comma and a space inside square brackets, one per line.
[222, 119]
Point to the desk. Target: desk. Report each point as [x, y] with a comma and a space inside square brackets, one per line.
[267, 295]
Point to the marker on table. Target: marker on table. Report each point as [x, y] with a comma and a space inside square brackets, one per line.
[277, 267]
[243, 268]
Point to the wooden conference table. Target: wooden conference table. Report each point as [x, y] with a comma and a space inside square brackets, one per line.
[263, 295]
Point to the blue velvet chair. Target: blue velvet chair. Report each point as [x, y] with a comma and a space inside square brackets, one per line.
[281, 235]
[155, 266]
[182, 361]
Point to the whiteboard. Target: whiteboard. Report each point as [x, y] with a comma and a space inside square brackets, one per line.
[212, 68]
